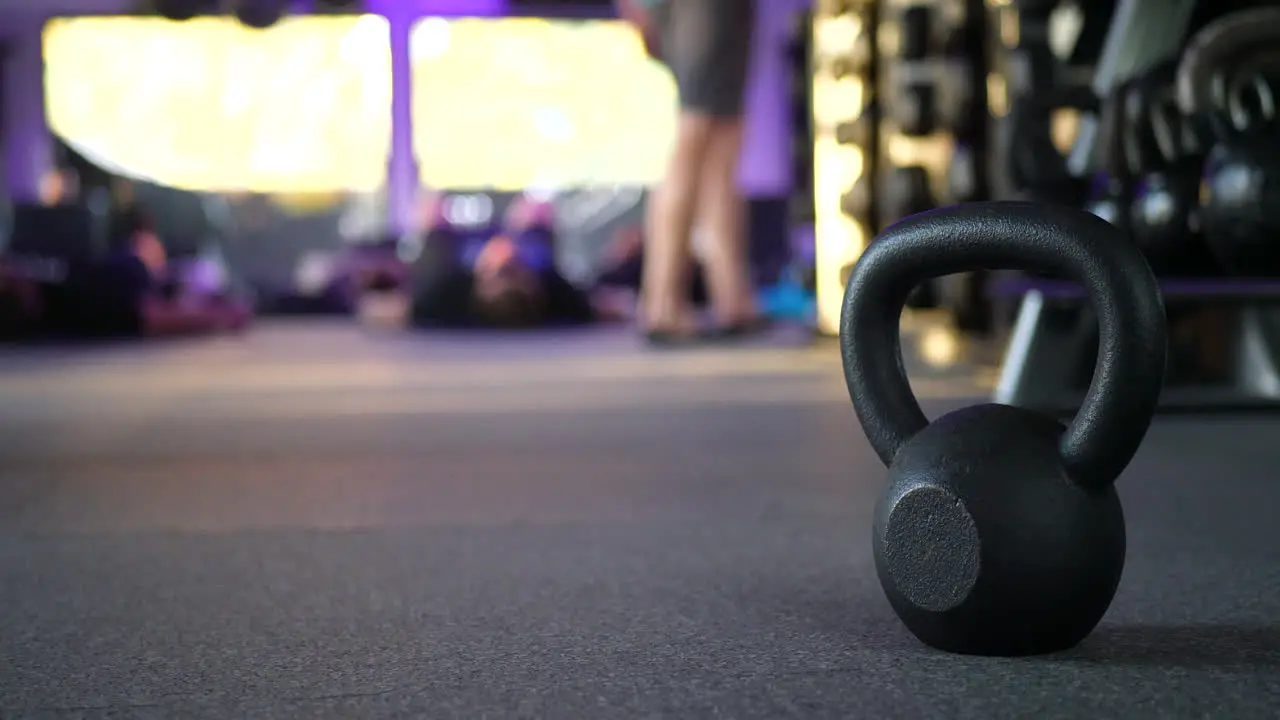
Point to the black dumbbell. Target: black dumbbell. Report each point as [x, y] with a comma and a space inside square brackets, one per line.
[915, 30]
[857, 131]
[915, 108]
[923, 106]
[856, 201]
[907, 190]
[1027, 158]
[962, 176]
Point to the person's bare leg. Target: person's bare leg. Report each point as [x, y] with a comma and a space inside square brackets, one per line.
[723, 217]
[669, 220]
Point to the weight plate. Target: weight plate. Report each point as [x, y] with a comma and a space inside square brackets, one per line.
[962, 177]
[915, 109]
[915, 26]
[856, 203]
[855, 132]
[845, 66]
[907, 191]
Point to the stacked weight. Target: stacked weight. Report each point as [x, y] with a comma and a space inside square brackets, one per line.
[920, 129]
[1038, 96]
[1188, 149]
[934, 128]
[1149, 178]
[1226, 86]
[1188, 168]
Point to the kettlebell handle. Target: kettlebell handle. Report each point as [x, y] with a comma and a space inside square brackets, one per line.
[1242, 118]
[1201, 87]
[1153, 123]
[1032, 237]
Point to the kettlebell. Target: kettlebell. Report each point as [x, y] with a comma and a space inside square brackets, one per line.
[1162, 155]
[1001, 532]
[1112, 189]
[1241, 184]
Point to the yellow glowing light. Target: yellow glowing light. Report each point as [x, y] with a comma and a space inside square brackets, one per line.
[836, 101]
[839, 168]
[518, 103]
[939, 346]
[839, 235]
[1064, 126]
[1010, 31]
[838, 238]
[836, 35]
[932, 152]
[211, 105]
[890, 38]
[306, 203]
[997, 95]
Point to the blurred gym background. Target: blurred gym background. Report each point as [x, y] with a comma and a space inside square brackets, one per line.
[277, 145]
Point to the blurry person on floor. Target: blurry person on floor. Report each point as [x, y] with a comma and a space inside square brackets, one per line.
[21, 304]
[507, 281]
[59, 187]
[131, 294]
[379, 281]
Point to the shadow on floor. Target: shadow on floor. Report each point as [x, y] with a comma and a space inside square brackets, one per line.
[1181, 646]
[1193, 646]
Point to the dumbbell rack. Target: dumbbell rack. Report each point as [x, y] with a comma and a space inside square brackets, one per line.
[935, 130]
[899, 122]
[932, 79]
[1051, 339]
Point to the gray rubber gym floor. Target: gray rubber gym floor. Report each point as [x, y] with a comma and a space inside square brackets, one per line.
[315, 523]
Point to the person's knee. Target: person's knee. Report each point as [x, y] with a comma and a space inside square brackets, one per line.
[694, 131]
[724, 147]
[718, 176]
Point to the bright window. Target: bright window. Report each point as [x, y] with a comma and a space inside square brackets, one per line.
[510, 104]
[211, 105]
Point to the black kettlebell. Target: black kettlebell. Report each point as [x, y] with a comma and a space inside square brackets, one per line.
[1162, 155]
[1241, 184]
[1001, 532]
[1112, 188]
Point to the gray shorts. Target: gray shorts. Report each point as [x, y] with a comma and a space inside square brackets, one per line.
[707, 46]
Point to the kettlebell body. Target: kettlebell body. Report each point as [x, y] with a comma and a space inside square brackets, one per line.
[984, 545]
[1241, 203]
[1160, 220]
[1108, 205]
[1000, 532]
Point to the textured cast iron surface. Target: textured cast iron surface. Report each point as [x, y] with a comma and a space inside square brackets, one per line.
[1001, 532]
